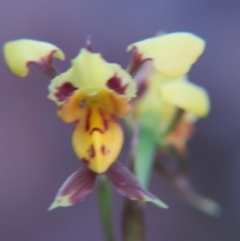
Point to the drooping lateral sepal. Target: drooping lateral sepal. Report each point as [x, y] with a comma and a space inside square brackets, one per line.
[126, 184]
[19, 54]
[75, 189]
[174, 168]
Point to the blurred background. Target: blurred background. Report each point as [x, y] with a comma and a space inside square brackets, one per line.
[36, 154]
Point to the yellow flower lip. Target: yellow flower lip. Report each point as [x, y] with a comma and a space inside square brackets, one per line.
[19, 54]
[172, 54]
[97, 138]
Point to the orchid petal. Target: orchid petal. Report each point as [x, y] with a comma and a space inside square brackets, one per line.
[127, 185]
[172, 54]
[76, 188]
[192, 197]
[187, 96]
[22, 52]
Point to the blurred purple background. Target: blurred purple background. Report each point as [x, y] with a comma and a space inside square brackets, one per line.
[36, 154]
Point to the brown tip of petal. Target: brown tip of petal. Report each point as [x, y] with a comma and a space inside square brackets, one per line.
[76, 188]
[126, 183]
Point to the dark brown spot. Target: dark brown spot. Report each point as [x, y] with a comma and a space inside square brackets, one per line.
[91, 152]
[115, 84]
[141, 88]
[135, 62]
[88, 120]
[103, 150]
[105, 122]
[85, 161]
[65, 91]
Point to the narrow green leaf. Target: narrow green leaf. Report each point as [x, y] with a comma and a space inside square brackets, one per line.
[133, 222]
[146, 148]
[145, 155]
[105, 198]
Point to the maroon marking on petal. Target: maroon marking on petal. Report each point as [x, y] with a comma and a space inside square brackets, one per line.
[78, 185]
[135, 62]
[115, 84]
[127, 184]
[45, 64]
[105, 122]
[141, 88]
[88, 120]
[96, 129]
[92, 152]
[85, 161]
[65, 91]
[103, 150]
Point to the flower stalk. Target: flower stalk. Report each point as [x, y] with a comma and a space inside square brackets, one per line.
[104, 191]
[133, 222]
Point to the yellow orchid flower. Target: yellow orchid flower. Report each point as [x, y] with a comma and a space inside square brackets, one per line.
[163, 63]
[166, 109]
[92, 93]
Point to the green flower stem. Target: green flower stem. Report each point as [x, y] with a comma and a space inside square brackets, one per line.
[133, 225]
[105, 196]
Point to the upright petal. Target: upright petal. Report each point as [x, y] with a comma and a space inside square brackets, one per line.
[127, 185]
[62, 88]
[19, 54]
[89, 70]
[79, 185]
[172, 54]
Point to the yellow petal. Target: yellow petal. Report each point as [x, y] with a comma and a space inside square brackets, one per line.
[90, 70]
[57, 88]
[187, 96]
[20, 53]
[172, 54]
[97, 140]
[76, 107]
